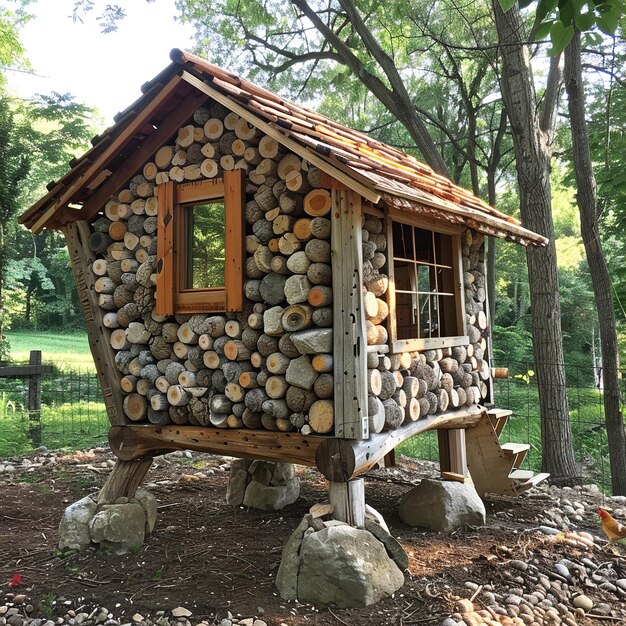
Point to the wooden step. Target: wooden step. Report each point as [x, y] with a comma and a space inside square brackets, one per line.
[531, 482]
[521, 475]
[499, 418]
[516, 450]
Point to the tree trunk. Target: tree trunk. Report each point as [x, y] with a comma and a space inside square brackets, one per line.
[586, 200]
[532, 153]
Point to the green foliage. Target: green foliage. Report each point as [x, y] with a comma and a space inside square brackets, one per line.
[557, 19]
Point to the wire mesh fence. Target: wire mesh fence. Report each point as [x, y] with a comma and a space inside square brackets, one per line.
[73, 416]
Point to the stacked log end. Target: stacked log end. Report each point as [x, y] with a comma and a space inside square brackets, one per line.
[408, 386]
[268, 366]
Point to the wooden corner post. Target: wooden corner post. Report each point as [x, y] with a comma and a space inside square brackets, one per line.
[349, 336]
[77, 238]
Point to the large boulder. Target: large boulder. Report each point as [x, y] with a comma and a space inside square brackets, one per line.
[442, 505]
[74, 525]
[346, 567]
[119, 527]
[330, 562]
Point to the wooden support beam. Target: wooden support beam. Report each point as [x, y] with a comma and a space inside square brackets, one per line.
[342, 459]
[144, 441]
[348, 500]
[349, 336]
[123, 480]
[82, 258]
[458, 454]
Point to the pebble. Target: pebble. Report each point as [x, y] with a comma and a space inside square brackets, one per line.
[181, 611]
[583, 602]
[522, 566]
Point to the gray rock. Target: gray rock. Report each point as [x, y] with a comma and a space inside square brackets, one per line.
[270, 497]
[442, 505]
[287, 576]
[74, 525]
[283, 473]
[393, 548]
[300, 373]
[237, 482]
[149, 505]
[315, 341]
[119, 527]
[347, 567]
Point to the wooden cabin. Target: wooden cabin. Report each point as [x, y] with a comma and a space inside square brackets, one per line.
[260, 281]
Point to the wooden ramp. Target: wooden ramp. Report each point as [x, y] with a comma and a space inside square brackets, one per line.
[496, 467]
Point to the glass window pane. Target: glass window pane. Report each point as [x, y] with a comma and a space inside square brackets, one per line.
[402, 241]
[424, 315]
[423, 282]
[206, 245]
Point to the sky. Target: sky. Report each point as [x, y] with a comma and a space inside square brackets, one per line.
[102, 70]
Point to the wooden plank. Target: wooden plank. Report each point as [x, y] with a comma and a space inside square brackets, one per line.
[22, 371]
[349, 336]
[135, 124]
[144, 441]
[425, 222]
[135, 161]
[289, 143]
[81, 257]
[348, 500]
[430, 343]
[234, 201]
[392, 322]
[165, 250]
[34, 400]
[459, 478]
[342, 459]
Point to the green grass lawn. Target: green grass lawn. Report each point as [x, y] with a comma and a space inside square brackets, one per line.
[65, 351]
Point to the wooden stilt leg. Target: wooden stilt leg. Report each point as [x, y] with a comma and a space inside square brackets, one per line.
[124, 480]
[453, 454]
[349, 501]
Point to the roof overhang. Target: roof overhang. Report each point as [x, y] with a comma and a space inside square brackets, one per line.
[378, 172]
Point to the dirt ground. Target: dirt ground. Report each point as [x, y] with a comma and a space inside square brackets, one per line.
[212, 558]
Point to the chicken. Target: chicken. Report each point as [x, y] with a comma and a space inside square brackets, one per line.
[613, 529]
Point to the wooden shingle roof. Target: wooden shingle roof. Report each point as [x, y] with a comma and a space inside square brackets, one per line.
[379, 172]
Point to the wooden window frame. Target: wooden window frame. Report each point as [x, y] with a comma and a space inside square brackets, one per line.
[173, 198]
[430, 343]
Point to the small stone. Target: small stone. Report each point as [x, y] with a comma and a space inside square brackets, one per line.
[259, 622]
[548, 530]
[249, 621]
[449, 622]
[19, 598]
[29, 608]
[621, 583]
[137, 617]
[513, 599]
[226, 622]
[562, 570]
[181, 611]
[464, 606]
[15, 620]
[3, 609]
[522, 566]
[583, 602]
[602, 608]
